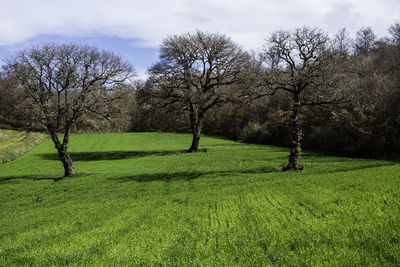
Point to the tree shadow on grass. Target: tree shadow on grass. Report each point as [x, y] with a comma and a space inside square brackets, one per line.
[189, 175]
[17, 179]
[26, 177]
[111, 155]
[323, 158]
[353, 168]
[34, 177]
[251, 146]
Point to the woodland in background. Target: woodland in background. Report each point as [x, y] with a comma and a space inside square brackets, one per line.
[366, 123]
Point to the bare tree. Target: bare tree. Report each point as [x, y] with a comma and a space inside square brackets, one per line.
[66, 82]
[298, 63]
[197, 71]
[341, 43]
[365, 41]
[394, 31]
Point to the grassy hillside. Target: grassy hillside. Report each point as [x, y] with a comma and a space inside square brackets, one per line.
[138, 200]
[16, 143]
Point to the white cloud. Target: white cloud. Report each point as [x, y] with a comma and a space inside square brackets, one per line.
[248, 22]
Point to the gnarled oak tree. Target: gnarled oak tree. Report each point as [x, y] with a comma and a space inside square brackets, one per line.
[65, 82]
[299, 63]
[197, 71]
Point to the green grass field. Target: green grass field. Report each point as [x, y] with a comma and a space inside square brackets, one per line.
[138, 200]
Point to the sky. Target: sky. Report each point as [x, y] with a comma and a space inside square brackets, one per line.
[133, 29]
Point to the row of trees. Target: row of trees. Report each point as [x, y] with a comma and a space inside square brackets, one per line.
[302, 82]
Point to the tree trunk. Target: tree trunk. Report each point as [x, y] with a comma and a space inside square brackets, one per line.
[297, 135]
[195, 143]
[67, 163]
[63, 155]
[196, 124]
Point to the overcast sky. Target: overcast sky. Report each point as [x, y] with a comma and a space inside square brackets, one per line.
[134, 29]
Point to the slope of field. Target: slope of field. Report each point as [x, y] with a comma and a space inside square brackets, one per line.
[16, 143]
[138, 200]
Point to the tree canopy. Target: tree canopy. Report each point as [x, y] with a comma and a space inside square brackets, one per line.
[197, 71]
[66, 82]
